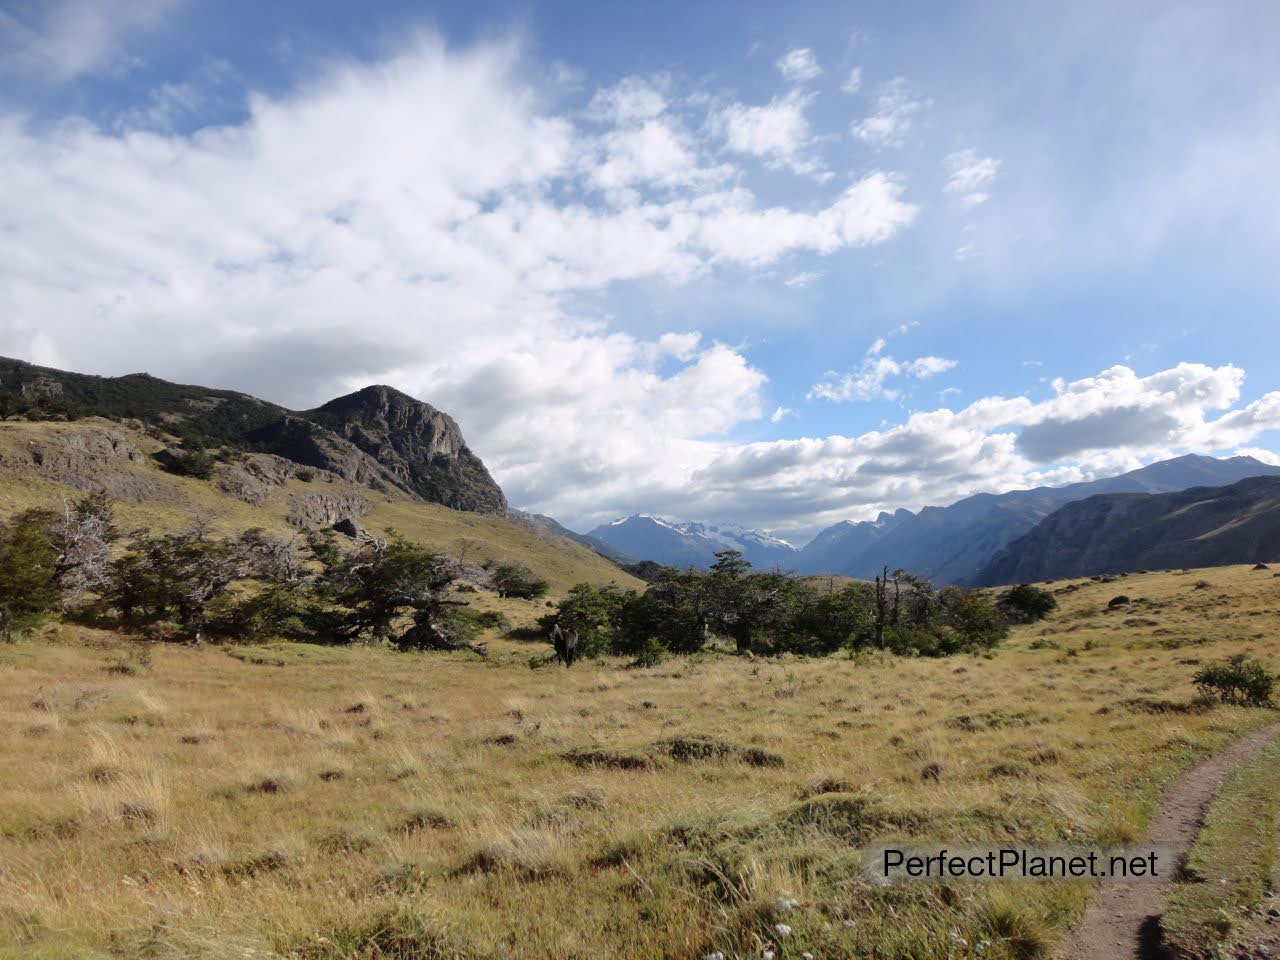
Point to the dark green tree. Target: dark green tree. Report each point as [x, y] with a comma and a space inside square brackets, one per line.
[28, 572]
[518, 581]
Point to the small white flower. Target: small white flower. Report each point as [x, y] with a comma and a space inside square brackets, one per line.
[806, 956]
[717, 955]
[782, 930]
[766, 954]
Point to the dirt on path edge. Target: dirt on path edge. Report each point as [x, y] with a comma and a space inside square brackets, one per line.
[1122, 921]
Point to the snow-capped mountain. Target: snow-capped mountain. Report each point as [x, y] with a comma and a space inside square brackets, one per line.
[646, 537]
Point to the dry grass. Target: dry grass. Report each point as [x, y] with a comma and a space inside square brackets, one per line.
[328, 803]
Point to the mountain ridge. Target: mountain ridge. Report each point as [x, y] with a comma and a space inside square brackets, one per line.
[376, 436]
[692, 543]
[1123, 532]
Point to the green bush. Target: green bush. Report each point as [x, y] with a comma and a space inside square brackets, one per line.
[1026, 604]
[1238, 679]
[518, 581]
[28, 570]
[191, 463]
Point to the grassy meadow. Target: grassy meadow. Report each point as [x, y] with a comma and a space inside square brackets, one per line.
[322, 803]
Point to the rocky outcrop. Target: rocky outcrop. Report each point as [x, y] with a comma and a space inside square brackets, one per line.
[312, 510]
[1115, 533]
[418, 447]
[85, 458]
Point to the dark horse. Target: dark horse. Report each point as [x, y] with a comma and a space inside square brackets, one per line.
[566, 644]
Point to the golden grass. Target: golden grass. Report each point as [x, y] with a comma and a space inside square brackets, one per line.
[325, 803]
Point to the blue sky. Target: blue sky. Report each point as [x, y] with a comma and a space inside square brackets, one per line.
[777, 264]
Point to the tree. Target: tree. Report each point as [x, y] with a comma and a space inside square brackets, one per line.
[1026, 604]
[82, 538]
[881, 606]
[183, 576]
[384, 581]
[829, 620]
[591, 612]
[671, 613]
[517, 580]
[28, 571]
[973, 617]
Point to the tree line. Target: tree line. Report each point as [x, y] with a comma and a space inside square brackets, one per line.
[193, 585]
[773, 612]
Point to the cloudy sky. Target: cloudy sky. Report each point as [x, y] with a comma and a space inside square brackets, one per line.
[778, 264]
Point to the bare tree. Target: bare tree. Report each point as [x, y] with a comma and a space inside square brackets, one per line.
[82, 538]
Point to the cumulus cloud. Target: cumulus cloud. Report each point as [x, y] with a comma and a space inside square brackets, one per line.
[777, 132]
[66, 39]
[870, 381]
[1096, 426]
[799, 65]
[426, 221]
[895, 111]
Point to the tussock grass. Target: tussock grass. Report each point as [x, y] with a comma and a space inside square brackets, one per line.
[585, 835]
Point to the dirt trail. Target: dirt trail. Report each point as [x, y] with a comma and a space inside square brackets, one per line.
[1122, 922]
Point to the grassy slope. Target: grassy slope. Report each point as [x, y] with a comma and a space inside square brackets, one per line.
[175, 501]
[1232, 864]
[427, 796]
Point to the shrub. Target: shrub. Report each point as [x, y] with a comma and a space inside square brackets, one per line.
[189, 463]
[1238, 679]
[518, 581]
[28, 568]
[1026, 604]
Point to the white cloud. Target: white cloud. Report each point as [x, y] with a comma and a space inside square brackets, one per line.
[425, 221]
[73, 37]
[871, 378]
[966, 173]
[631, 100]
[777, 132]
[854, 81]
[894, 114]
[780, 414]
[1097, 426]
[798, 65]
[802, 279]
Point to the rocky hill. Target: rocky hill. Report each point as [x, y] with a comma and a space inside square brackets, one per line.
[375, 437]
[1117, 533]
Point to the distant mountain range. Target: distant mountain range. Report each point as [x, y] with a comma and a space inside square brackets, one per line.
[645, 537]
[952, 544]
[1118, 532]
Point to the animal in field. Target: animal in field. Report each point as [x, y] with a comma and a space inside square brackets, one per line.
[566, 643]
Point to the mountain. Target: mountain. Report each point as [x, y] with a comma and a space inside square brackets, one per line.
[830, 550]
[691, 544]
[952, 544]
[1121, 532]
[375, 437]
[554, 527]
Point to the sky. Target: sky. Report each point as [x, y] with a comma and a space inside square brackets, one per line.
[773, 264]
